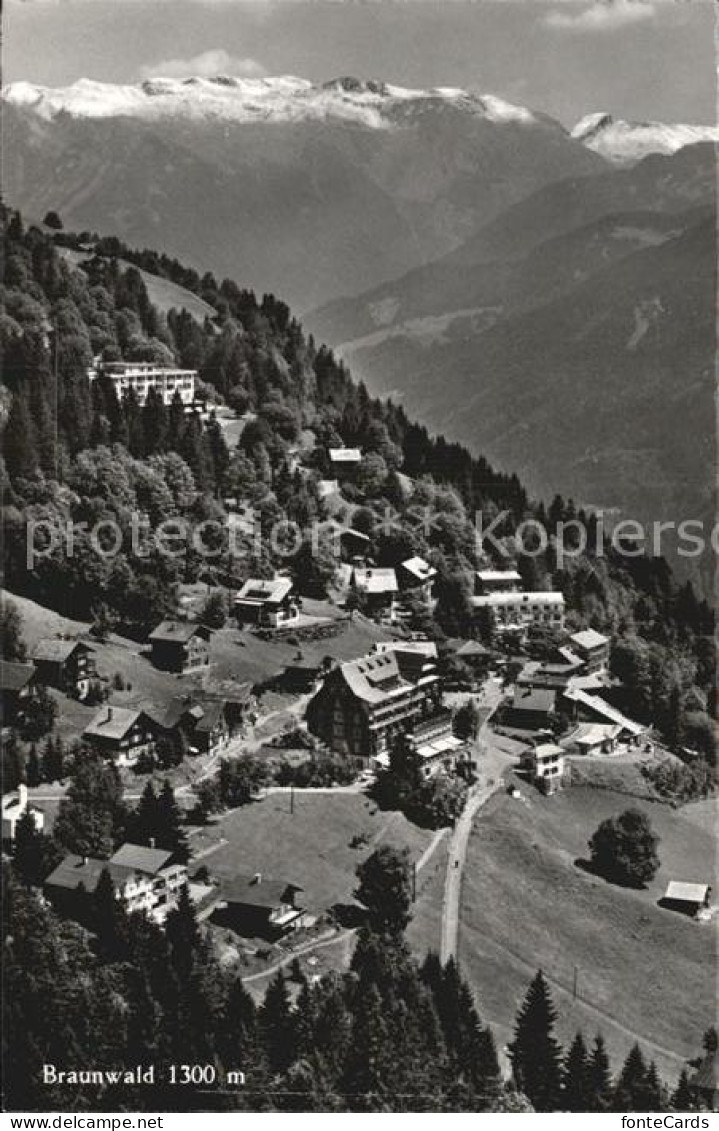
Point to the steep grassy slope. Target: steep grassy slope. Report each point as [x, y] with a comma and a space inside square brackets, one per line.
[643, 973]
[163, 293]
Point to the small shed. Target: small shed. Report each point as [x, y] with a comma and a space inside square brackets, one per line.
[689, 898]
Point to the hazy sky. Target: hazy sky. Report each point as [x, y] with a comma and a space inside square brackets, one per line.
[634, 58]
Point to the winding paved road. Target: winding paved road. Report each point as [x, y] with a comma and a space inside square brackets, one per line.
[492, 763]
[455, 865]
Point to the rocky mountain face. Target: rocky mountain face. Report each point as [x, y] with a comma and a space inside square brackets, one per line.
[308, 191]
[627, 142]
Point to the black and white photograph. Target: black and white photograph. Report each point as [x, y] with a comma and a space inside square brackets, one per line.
[358, 455]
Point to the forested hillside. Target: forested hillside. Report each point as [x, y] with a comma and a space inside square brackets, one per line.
[564, 340]
[75, 455]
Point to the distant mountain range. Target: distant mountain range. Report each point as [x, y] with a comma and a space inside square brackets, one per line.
[544, 295]
[311, 191]
[626, 142]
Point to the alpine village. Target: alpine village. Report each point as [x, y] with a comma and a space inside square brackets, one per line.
[309, 782]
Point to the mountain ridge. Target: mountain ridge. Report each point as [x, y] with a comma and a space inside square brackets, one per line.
[310, 207]
[283, 98]
[626, 142]
[373, 104]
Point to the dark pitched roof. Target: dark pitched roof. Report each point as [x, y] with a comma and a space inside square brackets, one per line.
[129, 860]
[177, 632]
[230, 691]
[706, 1076]
[13, 676]
[201, 714]
[340, 530]
[113, 722]
[472, 648]
[56, 650]
[372, 678]
[257, 891]
[76, 870]
[140, 858]
[166, 715]
[213, 714]
[534, 699]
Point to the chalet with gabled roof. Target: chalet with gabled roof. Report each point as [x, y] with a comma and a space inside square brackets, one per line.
[364, 706]
[121, 733]
[146, 880]
[269, 602]
[203, 722]
[68, 665]
[377, 587]
[417, 576]
[180, 646]
[259, 906]
[531, 708]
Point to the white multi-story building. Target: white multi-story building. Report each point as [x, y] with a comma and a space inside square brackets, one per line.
[514, 611]
[141, 376]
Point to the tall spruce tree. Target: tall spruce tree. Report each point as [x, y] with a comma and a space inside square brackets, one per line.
[109, 920]
[654, 1096]
[368, 1077]
[92, 816]
[536, 1055]
[634, 1090]
[384, 888]
[277, 1026]
[12, 641]
[33, 768]
[575, 1077]
[683, 1097]
[34, 854]
[183, 935]
[170, 833]
[155, 423]
[145, 819]
[239, 1039]
[601, 1088]
[477, 1055]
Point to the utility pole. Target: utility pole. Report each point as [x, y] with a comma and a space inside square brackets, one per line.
[414, 881]
[292, 798]
[574, 985]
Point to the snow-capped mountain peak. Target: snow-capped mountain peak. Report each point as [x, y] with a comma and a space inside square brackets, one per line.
[627, 142]
[285, 98]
